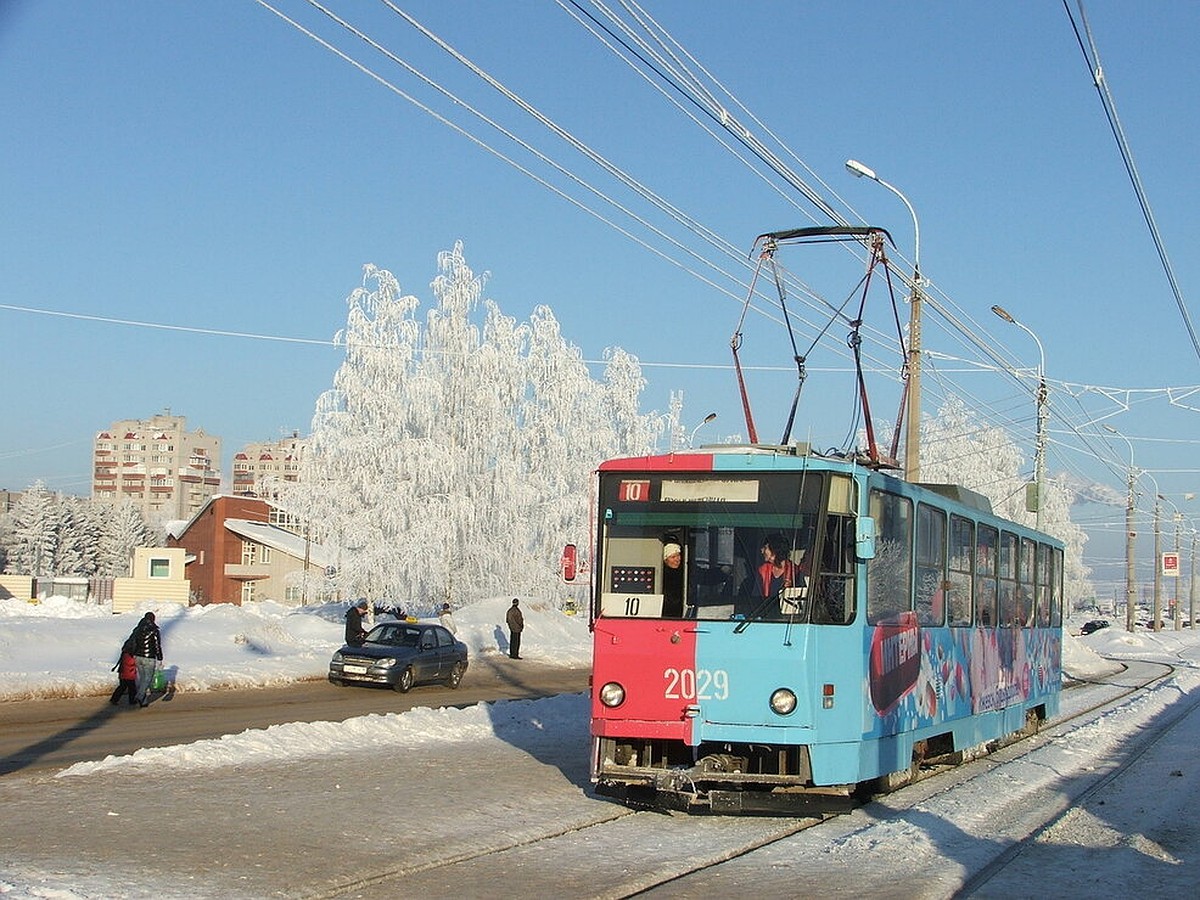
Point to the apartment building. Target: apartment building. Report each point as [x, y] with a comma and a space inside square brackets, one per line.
[166, 470]
[257, 465]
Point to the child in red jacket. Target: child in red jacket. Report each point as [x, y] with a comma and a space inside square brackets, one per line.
[127, 667]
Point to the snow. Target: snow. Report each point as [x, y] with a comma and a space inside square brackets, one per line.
[65, 648]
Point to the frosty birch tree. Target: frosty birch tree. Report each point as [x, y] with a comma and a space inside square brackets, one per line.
[453, 458]
[956, 449]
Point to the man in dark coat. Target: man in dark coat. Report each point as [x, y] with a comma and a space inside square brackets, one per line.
[147, 655]
[515, 620]
[356, 635]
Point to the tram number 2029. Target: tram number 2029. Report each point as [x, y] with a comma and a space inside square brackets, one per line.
[696, 684]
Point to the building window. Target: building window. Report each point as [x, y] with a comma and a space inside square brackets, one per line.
[249, 553]
[160, 567]
[265, 555]
[247, 591]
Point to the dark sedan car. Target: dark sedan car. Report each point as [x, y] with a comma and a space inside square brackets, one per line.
[1094, 625]
[401, 654]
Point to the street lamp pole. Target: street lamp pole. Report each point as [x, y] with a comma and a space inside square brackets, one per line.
[1156, 624]
[703, 422]
[1192, 592]
[1130, 536]
[912, 432]
[1039, 473]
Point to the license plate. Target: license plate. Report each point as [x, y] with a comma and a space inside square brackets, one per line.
[355, 670]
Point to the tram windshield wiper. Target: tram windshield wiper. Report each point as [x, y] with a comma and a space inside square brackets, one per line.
[790, 600]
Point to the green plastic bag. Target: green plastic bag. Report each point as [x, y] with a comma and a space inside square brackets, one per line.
[160, 681]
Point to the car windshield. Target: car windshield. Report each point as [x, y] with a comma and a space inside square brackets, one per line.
[394, 635]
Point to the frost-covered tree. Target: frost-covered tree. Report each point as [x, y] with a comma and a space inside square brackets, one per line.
[452, 457]
[35, 532]
[75, 537]
[120, 529]
[956, 447]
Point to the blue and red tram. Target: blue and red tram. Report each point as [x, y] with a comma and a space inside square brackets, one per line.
[775, 628]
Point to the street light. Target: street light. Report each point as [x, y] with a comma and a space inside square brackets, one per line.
[1039, 475]
[912, 433]
[1157, 623]
[703, 422]
[1130, 536]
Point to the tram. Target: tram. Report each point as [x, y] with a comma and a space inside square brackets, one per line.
[777, 629]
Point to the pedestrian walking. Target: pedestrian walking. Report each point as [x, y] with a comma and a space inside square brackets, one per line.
[516, 624]
[447, 619]
[147, 655]
[126, 669]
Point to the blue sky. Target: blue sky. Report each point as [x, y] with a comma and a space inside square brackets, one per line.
[208, 166]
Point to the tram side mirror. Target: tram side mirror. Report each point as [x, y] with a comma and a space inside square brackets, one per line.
[864, 537]
[570, 563]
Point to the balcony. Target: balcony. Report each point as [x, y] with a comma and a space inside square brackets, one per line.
[250, 572]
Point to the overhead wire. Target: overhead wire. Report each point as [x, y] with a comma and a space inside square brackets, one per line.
[1091, 56]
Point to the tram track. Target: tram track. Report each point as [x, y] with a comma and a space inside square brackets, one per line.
[623, 849]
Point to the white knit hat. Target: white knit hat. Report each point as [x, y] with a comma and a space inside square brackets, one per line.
[670, 550]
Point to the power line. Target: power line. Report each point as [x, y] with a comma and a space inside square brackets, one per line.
[1091, 56]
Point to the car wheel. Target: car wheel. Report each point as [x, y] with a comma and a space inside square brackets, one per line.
[456, 675]
[405, 682]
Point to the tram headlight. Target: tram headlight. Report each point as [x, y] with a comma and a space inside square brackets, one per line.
[783, 702]
[612, 694]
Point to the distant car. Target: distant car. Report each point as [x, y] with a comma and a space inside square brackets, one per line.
[400, 655]
[1094, 625]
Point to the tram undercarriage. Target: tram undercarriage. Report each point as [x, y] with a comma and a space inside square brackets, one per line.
[723, 779]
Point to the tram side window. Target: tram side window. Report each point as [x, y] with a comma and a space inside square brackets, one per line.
[1056, 595]
[986, 568]
[889, 574]
[962, 552]
[833, 603]
[929, 590]
[1008, 579]
[1026, 582]
[1044, 594]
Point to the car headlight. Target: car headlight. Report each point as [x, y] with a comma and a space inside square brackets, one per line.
[612, 694]
[337, 657]
[783, 702]
[385, 663]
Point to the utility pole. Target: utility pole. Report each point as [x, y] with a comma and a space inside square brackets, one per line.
[1130, 551]
[1157, 623]
[1178, 577]
[1192, 604]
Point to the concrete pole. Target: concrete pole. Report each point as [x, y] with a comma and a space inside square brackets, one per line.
[1157, 623]
[1178, 577]
[1192, 603]
[1130, 542]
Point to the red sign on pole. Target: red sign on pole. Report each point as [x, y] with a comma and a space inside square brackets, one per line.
[1170, 565]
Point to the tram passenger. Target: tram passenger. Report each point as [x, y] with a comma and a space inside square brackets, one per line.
[672, 581]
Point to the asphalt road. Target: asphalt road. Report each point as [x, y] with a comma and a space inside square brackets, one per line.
[52, 734]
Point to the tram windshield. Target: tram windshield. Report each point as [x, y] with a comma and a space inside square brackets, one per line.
[772, 546]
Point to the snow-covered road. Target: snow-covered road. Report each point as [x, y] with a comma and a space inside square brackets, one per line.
[492, 800]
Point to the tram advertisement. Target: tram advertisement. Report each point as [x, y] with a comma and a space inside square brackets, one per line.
[919, 676]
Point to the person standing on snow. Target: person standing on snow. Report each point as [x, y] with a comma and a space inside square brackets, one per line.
[447, 619]
[147, 655]
[356, 635]
[516, 624]
[126, 669]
